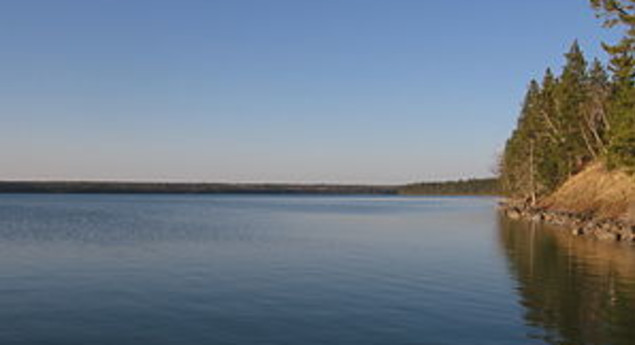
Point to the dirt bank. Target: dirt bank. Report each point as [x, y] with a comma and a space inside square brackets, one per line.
[596, 202]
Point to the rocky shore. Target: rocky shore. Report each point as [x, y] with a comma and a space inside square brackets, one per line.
[578, 224]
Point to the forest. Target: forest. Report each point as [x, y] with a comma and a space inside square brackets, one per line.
[462, 187]
[483, 186]
[582, 115]
[83, 187]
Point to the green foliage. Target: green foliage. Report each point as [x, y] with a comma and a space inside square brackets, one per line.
[621, 150]
[585, 113]
[487, 186]
[621, 104]
[621, 111]
[618, 13]
[569, 98]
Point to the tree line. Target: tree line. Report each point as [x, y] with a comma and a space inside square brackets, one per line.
[584, 114]
[487, 186]
[86, 187]
[483, 186]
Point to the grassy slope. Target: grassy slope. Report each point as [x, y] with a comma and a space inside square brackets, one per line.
[605, 194]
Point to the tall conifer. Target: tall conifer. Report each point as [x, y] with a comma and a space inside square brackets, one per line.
[621, 107]
[570, 96]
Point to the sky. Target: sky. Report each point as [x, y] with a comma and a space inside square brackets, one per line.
[309, 91]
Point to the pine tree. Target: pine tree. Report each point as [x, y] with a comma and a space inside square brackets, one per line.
[582, 115]
[517, 173]
[618, 13]
[570, 97]
[594, 110]
[621, 107]
[552, 165]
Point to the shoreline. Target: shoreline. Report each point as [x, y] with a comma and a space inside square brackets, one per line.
[471, 187]
[190, 188]
[577, 224]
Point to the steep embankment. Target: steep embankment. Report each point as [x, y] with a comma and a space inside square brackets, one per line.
[596, 203]
[596, 192]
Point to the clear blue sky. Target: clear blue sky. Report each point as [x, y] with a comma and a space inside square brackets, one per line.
[379, 91]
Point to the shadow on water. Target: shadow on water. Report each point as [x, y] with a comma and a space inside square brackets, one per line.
[574, 290]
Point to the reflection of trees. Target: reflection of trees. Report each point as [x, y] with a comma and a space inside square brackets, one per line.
[576, 291]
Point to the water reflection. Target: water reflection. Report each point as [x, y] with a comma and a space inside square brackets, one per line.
[575, 291]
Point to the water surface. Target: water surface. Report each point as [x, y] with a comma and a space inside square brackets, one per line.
[161, 269]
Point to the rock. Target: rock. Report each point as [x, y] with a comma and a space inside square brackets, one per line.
[513, 214]
[580, 224]
[607, 236]
[590, 226]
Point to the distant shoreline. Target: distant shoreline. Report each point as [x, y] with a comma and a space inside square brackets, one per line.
[188, 188]
[467, 187]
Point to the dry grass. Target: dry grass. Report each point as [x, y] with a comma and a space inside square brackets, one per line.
[605, 194]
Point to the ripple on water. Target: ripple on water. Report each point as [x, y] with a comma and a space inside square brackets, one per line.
[159, 269]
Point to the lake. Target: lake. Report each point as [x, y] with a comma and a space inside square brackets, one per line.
[223, 269]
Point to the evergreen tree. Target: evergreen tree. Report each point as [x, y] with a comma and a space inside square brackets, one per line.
[618, 13]
[570, 97]
[584, 114]
[594, 113]
[552, 165]
[621, 107]
[516, 171]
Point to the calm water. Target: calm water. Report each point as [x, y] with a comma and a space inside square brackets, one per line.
[118, 269]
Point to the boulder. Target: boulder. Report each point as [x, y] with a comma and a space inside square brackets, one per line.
[607, 236]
